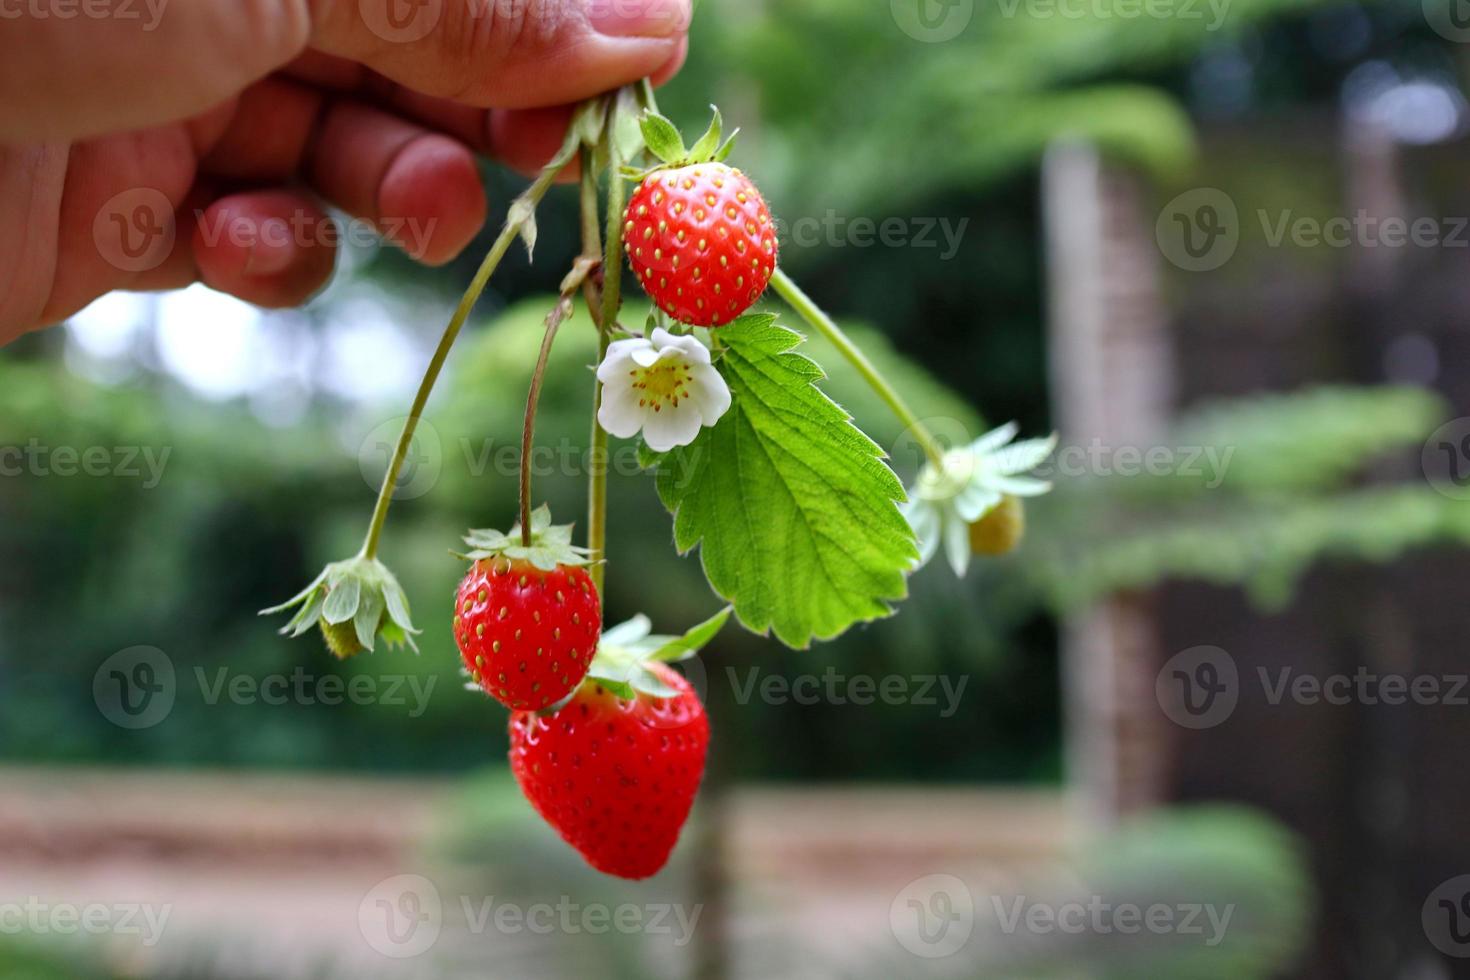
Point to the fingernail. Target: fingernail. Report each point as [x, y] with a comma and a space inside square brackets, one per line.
[638, 18]
[273, 250]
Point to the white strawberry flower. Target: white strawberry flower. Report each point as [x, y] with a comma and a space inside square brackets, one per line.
[945, 502]
[663, 385]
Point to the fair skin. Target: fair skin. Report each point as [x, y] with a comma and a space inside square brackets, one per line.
[248, 115]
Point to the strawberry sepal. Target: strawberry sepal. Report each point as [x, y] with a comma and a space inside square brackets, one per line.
[353, 602]
[551, 544]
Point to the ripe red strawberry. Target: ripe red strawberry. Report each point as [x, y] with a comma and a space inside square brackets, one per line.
[616, 777]
[527, 619]
[701, 242]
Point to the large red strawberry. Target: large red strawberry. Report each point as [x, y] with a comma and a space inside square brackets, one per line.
[527, 619]
[697, 233]
[615, 776]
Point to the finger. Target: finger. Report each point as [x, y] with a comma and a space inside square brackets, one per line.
[523, 139]
[144, 63]
[419, 189]
[90, 75]
[272, 248]
[271, 129]
[521, 54]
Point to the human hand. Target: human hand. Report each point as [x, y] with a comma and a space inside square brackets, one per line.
[147, 144]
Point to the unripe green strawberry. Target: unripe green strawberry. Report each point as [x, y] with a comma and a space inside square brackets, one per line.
[701, 242]
[1000, 529]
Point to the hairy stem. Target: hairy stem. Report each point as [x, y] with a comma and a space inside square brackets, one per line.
[823, 324]
[528, 428]
[598, 307]
[514, 222]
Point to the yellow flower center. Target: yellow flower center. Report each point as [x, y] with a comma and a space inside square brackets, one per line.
[662, 384]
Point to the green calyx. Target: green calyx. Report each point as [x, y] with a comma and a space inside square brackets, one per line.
[662, 139]
[626, 650]
[551, 544]
[353, 602]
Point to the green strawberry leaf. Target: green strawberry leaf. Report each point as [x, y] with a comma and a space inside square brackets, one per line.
[662, 137]
[792, 507]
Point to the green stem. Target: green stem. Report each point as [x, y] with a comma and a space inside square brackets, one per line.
[513, 226]
[528, 428]
[823, 324]
[604, 316]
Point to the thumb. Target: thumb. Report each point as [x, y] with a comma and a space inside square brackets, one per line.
[510, 54]
[69, 71]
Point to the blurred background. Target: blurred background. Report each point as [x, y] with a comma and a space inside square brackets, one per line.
[1208, 723]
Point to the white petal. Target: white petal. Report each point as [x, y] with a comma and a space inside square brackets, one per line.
[975, 500]
[1021, 457]
[669, 428]
[957, 545]
[995, 438]
[645, 356]
[620, 414]
[619, 358]
[709, 392]
[1020, 486]
[688, 344]
[923, 517]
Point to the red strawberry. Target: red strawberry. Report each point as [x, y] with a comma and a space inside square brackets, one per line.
[527, 619]
[616, 777]
[701, 242]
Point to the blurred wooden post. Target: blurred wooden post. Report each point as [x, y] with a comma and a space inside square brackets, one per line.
[1112, 375]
